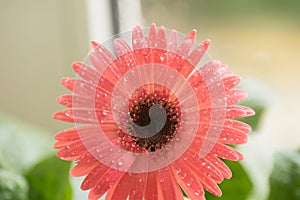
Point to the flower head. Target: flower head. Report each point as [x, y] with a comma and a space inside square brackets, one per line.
[152, 119]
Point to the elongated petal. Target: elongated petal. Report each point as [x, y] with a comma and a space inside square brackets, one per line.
[139, 41]
[167, 184]
[151, 190]
[197, 54]
[172, 41]
[188, 181]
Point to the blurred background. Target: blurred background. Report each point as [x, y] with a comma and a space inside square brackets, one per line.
[258, 39]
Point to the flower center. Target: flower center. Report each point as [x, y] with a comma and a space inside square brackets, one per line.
[153, 118]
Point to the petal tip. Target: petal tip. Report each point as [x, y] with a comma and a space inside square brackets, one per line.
[76, 66]
[206, 44]
[192, 35]
[153, 25]
[95, 44]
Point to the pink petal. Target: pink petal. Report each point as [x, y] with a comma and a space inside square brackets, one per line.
[231, 135]
[84, 168]
[84, 88]
[187, 179]
[230, 82]
[61, 144]
[82, 116]
[162, 38]
[168, 186]
[152, 36]
[86, 72]
[72, 151]
[68, 83]
[210, 185]
[94, 176]
[172, 41]
[236, 95]
[139, 41]
[238, 125]
[226, 152]
[138, 188]
[101, 58]
[204, 166]
[126, 56]
[65, 100]
[151, 190]
[220, 165]
[236, 111]
[67, 135]
[185, 47]
[105, 182]
[76, 101]
[197, 54]
[124, 187]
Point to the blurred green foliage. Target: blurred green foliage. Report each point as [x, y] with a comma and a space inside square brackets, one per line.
[13, 186]
[54, 174]
[29, 169]
[285, 177]
[22, 145]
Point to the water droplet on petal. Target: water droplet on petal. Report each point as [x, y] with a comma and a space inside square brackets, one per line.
[120, 163]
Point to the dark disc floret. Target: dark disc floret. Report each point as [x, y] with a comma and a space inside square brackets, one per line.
[139, 107]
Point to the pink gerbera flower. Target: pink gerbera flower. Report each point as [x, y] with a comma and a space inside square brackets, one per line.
[153, 120]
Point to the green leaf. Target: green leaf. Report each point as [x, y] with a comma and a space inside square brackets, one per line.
[285, 177]
[12, 186]
[22, 145]
[238, 187]
[49, 180]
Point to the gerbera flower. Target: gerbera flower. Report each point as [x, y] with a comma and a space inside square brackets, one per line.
[152, 120]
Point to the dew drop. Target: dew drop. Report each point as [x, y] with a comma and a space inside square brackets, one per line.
[183, 175]
[134, 41]
[104, 112]
[68, 113]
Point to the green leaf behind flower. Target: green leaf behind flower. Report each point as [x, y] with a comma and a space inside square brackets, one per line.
[22, 145]
[13, 186]
[285, 177]
[49, 180]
